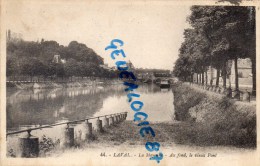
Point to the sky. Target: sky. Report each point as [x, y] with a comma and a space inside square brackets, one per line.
[152, 32]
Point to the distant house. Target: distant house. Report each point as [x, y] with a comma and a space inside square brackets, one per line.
[244, 67]
[244, 73]
[57, 59]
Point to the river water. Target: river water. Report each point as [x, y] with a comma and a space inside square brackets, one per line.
[33, 108]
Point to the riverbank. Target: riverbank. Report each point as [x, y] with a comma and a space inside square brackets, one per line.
[46, 85]
[172, 135]
[213, 119]
[205, 119]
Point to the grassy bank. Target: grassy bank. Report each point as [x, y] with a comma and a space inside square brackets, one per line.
[46, 85]
[213, 119]
[126, 134]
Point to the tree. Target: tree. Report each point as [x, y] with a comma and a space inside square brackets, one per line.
[32, 67]
[219, 34]
[71, 68]
[11, 66]
[194, 57]
[60, 71]
[24, 56]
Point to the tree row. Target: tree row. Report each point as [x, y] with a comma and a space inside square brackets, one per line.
[218, 35]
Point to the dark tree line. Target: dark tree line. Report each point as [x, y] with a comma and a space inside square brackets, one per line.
[29, 58]
[218, 34]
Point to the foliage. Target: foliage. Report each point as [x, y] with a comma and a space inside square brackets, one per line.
[29, 58]
[218, 34]
[47, 144]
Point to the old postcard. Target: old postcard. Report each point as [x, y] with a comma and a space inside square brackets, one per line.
[95, 82]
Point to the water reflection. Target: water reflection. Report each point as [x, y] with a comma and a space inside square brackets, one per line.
[32, 108]
[40, 107]
[158, 104]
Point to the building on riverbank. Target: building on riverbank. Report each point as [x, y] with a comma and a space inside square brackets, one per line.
[244, 74]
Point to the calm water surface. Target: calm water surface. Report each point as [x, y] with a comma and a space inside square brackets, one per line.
[32, 108]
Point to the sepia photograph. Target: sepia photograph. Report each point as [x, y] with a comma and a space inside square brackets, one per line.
[129, 82]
